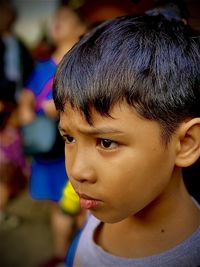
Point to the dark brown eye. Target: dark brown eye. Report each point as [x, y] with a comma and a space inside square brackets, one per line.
[68, 139]
[107, 144]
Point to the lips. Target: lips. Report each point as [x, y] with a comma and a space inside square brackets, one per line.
[87, 202]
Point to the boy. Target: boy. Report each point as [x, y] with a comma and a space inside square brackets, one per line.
[128, 95]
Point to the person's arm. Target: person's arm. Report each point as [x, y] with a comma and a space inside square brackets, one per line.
[26, 109]
[49, 108]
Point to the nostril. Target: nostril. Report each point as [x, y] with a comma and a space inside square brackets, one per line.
[89, 178]
[81, 167]
[82, 180]
[82, 176]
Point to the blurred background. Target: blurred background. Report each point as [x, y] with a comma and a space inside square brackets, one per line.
[27, 238]
[34, 16]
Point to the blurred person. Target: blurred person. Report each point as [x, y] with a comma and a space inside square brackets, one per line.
[16, 65]
[13, 167]
[48, 176]
[16, 60]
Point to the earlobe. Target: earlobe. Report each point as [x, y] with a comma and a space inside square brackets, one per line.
[189, 143]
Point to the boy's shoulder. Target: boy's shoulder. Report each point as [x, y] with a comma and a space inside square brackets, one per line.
[185, 254]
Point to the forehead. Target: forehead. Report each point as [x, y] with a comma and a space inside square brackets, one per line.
[65, 13]
[122, 118]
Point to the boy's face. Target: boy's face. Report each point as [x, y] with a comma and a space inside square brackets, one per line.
[118, 166]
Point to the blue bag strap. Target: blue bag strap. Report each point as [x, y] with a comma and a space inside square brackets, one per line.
[72, 250]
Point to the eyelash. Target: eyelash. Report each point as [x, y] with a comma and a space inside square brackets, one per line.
[67, 138]
[111, 144]
[101, 142]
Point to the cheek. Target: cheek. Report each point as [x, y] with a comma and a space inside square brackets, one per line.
[67, 160]
[137, 180]
[67, 26]
[60, 31]
[68, 156]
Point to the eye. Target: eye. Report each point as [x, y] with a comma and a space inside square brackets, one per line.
[68, 139]
[107, 144]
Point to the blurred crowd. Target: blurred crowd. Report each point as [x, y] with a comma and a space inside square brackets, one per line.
[31, 150]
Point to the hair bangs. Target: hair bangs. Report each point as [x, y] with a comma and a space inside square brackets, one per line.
[149, 62]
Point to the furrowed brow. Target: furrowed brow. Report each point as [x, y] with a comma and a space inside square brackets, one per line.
[103, 130]
[95, 131]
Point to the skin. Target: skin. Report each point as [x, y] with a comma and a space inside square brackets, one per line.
[134, 178]
[66, 26]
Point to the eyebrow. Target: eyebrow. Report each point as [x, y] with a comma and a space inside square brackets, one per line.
[96, 131]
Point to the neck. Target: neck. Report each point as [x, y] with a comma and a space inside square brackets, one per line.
[62, 49]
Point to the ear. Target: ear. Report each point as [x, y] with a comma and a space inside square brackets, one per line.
[188, 148]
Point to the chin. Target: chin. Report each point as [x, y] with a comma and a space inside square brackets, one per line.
[106, 217]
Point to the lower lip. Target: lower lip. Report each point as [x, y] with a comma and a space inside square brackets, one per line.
[88, 203]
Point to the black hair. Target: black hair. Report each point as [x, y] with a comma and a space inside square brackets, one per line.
[10, 10]
[150, 62]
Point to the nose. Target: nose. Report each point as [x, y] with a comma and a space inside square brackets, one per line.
[81, 167]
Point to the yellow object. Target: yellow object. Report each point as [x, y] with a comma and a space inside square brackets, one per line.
[69, 202]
